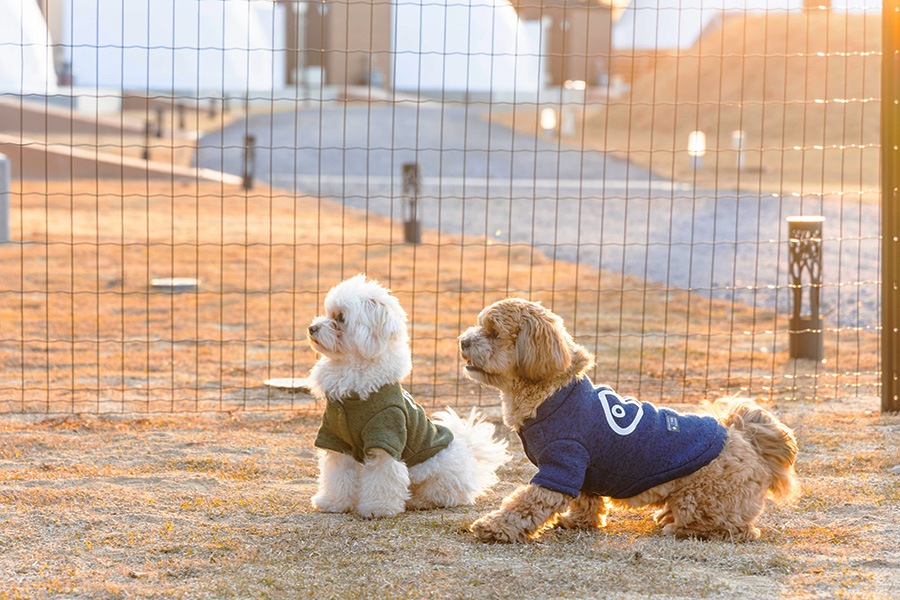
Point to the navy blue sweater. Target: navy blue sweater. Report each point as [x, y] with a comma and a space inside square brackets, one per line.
[586, 438]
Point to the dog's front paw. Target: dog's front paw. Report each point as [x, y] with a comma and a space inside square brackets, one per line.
[497, 527]
[377, 510]
[329, 504]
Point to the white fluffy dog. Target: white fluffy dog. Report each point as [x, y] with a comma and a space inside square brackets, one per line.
[378, 452]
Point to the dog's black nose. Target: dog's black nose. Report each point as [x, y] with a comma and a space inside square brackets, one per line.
[464, 343]
[313, 329]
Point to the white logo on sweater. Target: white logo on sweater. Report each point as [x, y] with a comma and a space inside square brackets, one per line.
[618, 412]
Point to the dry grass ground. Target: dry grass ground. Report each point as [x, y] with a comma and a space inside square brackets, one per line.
[204, 505]
[804, 88]
[218, 507]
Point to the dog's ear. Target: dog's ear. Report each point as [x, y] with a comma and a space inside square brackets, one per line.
[542, 345]
[384, 322]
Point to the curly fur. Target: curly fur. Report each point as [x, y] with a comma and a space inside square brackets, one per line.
[524, 350]
[363, 344]
[362, 340]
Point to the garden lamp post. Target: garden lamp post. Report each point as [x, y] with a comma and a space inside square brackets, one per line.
[805, 258]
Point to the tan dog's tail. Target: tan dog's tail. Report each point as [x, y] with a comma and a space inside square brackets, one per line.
[773, 440]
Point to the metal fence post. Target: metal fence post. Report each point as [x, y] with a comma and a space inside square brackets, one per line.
[5, 179]
[890, 207]
[805, 255]
[412, 226]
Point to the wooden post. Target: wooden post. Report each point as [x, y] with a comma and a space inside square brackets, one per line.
[890, 207]
[5, 184]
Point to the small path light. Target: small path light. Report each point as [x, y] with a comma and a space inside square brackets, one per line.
[738, 141]
[412, 227]
[160, 121]
[548, 119]
[146, 152]
[805, 257]
[249, 161]
[572, 99]
[696, 148]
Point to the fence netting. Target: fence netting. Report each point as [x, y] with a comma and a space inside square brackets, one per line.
[187, 180]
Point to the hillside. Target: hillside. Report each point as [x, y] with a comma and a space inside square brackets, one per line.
[804, 88]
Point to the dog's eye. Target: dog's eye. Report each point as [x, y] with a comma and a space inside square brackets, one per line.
[339, 317]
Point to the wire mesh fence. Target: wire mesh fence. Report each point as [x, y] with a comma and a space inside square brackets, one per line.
[188, 179]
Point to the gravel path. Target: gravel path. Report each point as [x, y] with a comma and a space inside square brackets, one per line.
[481, 179]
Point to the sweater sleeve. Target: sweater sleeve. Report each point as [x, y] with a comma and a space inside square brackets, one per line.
[562, 465]
[328, 440]
[387, 431]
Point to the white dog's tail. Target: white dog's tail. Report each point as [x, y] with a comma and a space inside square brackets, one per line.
[478, 436]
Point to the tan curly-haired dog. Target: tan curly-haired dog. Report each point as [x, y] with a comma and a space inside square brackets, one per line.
[708, 476]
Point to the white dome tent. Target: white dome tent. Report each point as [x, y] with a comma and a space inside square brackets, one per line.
[458, 46]
[180, 45]
[26, 57]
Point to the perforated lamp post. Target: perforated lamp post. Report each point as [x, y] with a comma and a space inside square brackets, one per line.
[805, 258]
[890, 206]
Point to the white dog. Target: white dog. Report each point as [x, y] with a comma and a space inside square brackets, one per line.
[378, 452]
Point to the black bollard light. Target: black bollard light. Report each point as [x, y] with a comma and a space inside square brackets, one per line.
[805, 258]
[249, 160]
[412, 227]
[147, 127]
[160, 117]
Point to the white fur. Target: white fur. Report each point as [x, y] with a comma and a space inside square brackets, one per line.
[341, 472]
[367, 349]
[363, 344]
[462, 471]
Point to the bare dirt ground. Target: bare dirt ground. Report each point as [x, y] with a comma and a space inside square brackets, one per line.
[85, 332]
[218, 507]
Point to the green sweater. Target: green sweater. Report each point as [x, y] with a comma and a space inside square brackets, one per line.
[388, 419]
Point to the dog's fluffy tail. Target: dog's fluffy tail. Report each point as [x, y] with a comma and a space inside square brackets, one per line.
[478, 436]
[773, 440]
